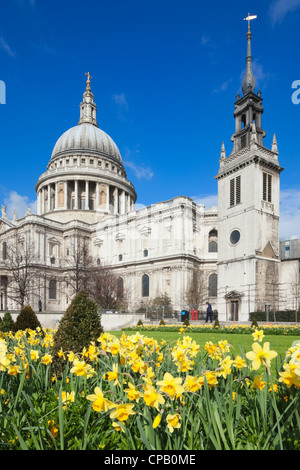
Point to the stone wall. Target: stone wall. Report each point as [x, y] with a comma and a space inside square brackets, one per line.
[109, 321]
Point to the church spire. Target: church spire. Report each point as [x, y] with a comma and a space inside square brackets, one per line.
[88, 107]
[249, 79]
[248, 108]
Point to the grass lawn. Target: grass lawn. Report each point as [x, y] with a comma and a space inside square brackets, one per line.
[241, 343]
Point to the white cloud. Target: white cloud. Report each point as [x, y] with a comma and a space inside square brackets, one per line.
[140, 171]
[289, 213]
[209, 200]
[121, 100]
[6, 47]
[121, 103]
[20, 203]
[204, 39]
[223, 86]
[280, 8]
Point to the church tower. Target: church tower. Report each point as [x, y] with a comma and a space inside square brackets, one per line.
[248, 210]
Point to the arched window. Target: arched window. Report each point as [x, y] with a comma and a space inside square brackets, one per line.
[145, 253]
[213, 241]
[213, 285]
[52, 289]
[145, 285]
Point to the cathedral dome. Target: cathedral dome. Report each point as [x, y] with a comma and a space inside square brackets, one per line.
[86, 138]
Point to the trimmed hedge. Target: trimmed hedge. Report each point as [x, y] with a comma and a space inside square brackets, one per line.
[281, 316]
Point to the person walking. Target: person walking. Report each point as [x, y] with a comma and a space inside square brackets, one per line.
[208, 312]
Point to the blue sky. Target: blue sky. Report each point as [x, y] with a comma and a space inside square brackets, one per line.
[165, 76]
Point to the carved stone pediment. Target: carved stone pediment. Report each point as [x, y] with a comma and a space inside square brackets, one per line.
[233, 295]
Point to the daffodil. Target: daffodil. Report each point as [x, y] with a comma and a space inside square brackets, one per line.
[67, 398]
[34, 355]
[258, 335]
[117, 427]
[260, 355]
[46, 359]
[53, 428]
[225, 367]
[14, 369]
[173, 422]
[114, 375]
[170, 385]
[192, 384]
[211, 377]
[152, 397]
[258, 382]
[122, 412]
[132, 393]
[99, 402]
[80, 368]
[291, 375]
[239, 362]
[156, 421]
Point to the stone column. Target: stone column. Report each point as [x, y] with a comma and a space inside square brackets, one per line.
[49, 197]
[56, 197]
[116, 201]
[43, 200]
[108, 198]
[86, 195]
[76, 194]
[66, 196]
[97, 202]
[123, 206]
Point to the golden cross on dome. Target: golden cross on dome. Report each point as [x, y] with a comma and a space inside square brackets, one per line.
[88, 76]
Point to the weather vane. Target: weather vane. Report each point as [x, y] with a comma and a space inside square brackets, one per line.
[249, 18]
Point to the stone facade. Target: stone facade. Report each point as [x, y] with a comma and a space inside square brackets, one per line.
[85, 197]
[85, 201]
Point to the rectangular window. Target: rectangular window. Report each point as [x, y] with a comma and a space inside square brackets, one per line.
[232, 192]
[52, 289]
[4, 251]
[235, 191]
[267, 187]
[238, 189]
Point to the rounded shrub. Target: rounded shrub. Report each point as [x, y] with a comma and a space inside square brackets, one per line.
[7, 323]
[26, 319]
[79, 326]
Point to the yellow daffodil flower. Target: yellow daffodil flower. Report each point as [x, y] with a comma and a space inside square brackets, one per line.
[170, 385]
[260, 355]
[258, 335]
[122, 412]
[80, 368]
[46, 359]
[132, 393]
[156, 421]
[114, 375]
[173, 422]
[99, 402]
[152, 397]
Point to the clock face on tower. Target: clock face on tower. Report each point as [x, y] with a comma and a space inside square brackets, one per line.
[235, 237]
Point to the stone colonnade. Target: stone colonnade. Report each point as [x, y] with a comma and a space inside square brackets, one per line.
[83, 195]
